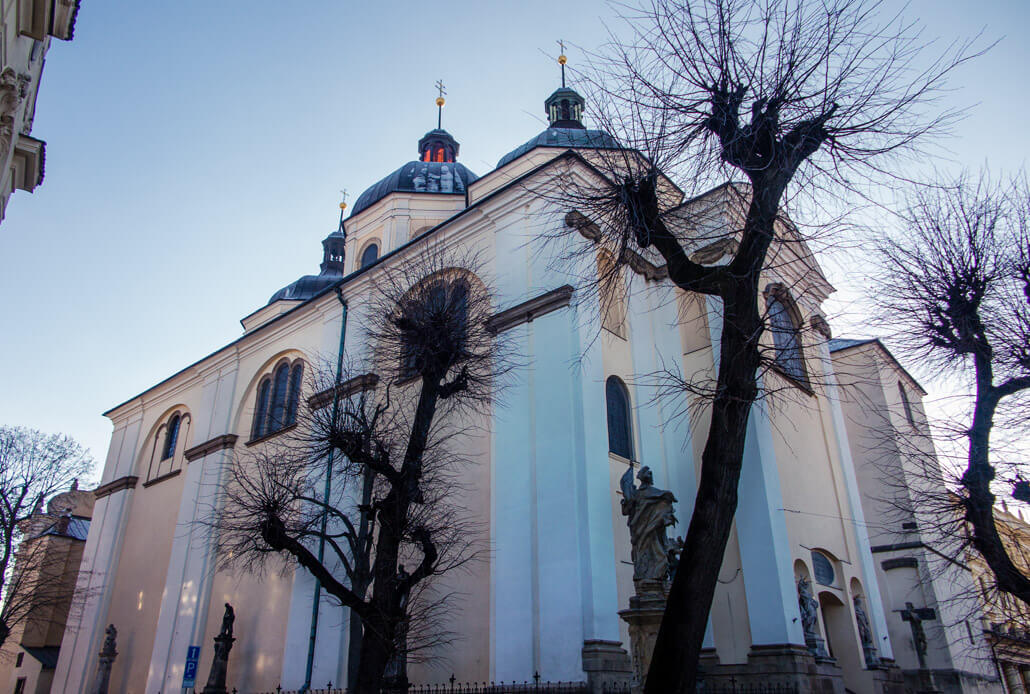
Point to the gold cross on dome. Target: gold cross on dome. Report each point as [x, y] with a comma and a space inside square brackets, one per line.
[440, 88]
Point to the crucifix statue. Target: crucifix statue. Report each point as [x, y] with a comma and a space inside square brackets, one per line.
[915, 616]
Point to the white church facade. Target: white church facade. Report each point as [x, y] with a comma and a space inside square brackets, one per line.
[546, 484]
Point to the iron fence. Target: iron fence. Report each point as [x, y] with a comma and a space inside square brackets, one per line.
[454, 687]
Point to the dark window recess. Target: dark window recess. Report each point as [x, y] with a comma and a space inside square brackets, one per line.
[171, 437]
[19, 659]
[823, 569]
[906, 403]
[447, 304]
[277, 400]
[786, 340]
[19, 686]
[370, 255]
[620, 433]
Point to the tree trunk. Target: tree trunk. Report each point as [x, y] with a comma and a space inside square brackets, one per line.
[374, 657]
[678, 647]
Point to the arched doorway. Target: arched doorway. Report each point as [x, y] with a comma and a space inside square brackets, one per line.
[841, 639]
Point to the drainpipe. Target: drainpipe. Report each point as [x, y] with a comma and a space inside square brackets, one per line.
[328, 489]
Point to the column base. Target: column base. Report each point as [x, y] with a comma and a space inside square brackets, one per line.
[607, 665]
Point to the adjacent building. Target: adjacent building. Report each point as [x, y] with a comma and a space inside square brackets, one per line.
[27, 27]
[54, 540]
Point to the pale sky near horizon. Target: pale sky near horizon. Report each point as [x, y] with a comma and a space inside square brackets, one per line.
[195, 153]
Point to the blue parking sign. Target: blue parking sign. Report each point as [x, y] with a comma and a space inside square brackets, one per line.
[189, 676]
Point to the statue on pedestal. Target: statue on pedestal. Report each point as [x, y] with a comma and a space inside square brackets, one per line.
[809, 607]
[865, 633]
[650, 513]
[220, 663]
[107, 656]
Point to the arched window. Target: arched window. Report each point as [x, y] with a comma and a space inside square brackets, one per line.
[370, 254]
[822, 567]
[278, 397]
[620, 432]
[785, 336]
[443, 303]
[906, 403]
[171, 437]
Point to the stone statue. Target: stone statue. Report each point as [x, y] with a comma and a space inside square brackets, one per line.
[220, 662]
[107, 656]
[650, 513]
[810, 619]
[865, 633]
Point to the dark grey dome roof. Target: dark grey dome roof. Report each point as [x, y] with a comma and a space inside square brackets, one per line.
[439, 177]
[572, 138]
[305, 288]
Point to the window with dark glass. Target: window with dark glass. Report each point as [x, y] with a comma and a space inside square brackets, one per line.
[620, 433]
[278, 398]
[822, 567]
[786, 339]
[370, 254]
[171, 436]
[906, 403]
[445, 303]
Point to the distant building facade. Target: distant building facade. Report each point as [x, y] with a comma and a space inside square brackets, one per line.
[26, 27]
[55, 538]
[895, 460]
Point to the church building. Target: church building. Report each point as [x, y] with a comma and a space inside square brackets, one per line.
[797, 604]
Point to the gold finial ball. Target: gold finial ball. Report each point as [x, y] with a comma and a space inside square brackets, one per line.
[343, 206]
[562, 59]
[439, 101]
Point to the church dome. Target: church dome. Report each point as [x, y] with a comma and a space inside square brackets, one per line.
[564, 109]
[332, 269]
[437, 171]
[567, 138]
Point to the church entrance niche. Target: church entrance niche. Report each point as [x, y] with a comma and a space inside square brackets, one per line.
[841, 640]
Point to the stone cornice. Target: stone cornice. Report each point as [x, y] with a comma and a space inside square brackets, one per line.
[127, 482]
[636, 262]
[528, 310]
[345, 389]
[210, 446]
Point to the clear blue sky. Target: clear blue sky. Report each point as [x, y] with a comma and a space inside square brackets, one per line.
[195, 151]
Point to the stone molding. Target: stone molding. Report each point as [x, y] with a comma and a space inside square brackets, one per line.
[636, 262]
[528, 310]
[127, 482]
[345, 389]
[161, 478]
[210, 446]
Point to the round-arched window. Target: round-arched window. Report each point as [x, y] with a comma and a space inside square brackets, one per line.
[620, 432]
[822, 567]
[370, 254]
[278, 396]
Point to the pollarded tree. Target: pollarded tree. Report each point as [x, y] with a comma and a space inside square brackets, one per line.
[389, 519]
[955, 291]
[795, 98]
[34, 467]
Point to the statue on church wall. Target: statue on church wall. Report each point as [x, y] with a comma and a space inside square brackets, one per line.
[865, 634]
[650, 513]
[809, 607]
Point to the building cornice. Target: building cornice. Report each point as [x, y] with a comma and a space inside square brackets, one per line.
[218, 443]
[127, 482]
[528, 310]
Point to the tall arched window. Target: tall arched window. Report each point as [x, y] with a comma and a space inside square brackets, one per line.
[370, 254]
[612, 294]
[171, 437]
[278, 397]
[786, 337]
[443, 303]
[620, 431]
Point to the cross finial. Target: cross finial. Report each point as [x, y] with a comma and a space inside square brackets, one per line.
[439, 102]
[562, 60]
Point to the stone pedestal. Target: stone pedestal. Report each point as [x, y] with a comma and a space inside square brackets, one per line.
[644, 618]
[219, 666]
[607, 665]
[927, 685]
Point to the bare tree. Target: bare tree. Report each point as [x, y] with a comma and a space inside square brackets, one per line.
[955, 289]
[34, 466]
[390, 430]
[795, 97]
